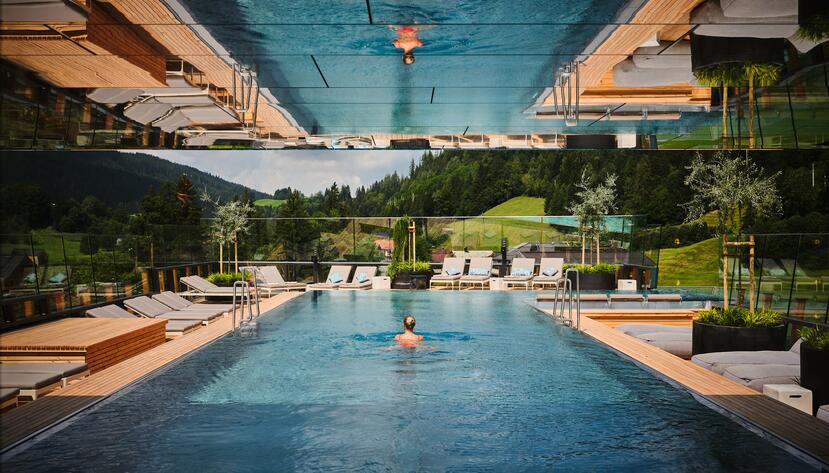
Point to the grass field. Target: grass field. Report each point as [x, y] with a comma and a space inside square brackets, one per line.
[692, 265]
[521, 206]
[275, 203]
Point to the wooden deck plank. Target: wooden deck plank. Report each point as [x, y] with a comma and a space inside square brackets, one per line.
[22, 422]
[792, 426]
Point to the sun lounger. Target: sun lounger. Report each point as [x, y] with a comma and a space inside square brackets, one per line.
[664, 298]
[176, 302]
[67, 371]
[823, 413]
[592, 297]
[757, 376]
[361, 279]
[31, 385]
[202, 287]
[154, 309]
[269, 279]
[676, 343]
[480, 271]
[720, 361]
[626, 297]
[450, 273]
[174, 328]
[337, 275]
[521, 273]
[8, 398]
[550, 273]
[638, 329]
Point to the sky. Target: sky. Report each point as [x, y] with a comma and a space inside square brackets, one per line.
[306, 170]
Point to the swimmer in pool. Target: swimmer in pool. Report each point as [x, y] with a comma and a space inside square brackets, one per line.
[408, 337]
[407, 40]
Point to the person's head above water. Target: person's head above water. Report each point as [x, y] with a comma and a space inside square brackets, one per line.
[409, 322]
[408, 58]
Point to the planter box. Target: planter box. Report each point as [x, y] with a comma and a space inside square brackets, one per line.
[814, 374]
[594, 281]
[716, 338]
[412, 280]
[709, 50]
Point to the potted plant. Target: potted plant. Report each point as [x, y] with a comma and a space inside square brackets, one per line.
[225, 279]
[405, 270]
[594, 202]
[737, 329]
[814, 364]
[594, 277]
[813, 20]
[709, 51]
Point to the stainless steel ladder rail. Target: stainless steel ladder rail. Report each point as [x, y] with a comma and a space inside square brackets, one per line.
[244, 289]
[250, 269]
[567, 296]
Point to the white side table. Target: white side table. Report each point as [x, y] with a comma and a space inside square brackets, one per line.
[792, 394]
[626, 285]
[497, 284]
[382, 283]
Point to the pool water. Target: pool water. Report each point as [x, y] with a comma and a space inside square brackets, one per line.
[321, 385]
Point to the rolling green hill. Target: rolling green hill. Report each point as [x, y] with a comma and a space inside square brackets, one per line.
[520, 206]
[273, 203]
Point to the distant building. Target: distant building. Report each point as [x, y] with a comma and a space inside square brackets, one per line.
[386, 246]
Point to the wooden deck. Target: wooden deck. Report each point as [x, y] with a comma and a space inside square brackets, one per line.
[19, 424]
[790, 425]
[99, 343]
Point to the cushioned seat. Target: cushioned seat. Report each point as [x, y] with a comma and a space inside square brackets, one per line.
[823, 413]
[66, 371]
[756, 376]
[31, 384]
[181, 327]
[718, 362]
[8, 398]
[675, 343]
[664, 298]
[636, 329]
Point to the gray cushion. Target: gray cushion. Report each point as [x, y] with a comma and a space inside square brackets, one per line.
[111, 311]
[28, 380]
[634, 329]
[756, 376]
[823, 413]
[675, 343]
[181, 325]
[7, 394]
[719, 362]
[62, 369]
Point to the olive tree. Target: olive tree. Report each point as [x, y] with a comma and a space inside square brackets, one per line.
[593, 204]
[230, 220]
[733, 186]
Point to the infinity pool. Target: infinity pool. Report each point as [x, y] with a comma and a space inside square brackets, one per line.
[496, 386]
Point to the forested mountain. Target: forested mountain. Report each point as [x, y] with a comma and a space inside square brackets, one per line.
[115, 178]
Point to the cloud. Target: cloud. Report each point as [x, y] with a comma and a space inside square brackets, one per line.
[307, 170]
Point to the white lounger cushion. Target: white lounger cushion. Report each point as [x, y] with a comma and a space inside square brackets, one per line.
[677, 57]
[636, 329]
[675, 343]
[823, 413]
[713, 22]
[756, 376]
[626, 74]
[719, 362]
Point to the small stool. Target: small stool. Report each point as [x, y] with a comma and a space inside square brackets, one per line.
[626, 285]
[497, 284]
[381, 282]
[796, 396]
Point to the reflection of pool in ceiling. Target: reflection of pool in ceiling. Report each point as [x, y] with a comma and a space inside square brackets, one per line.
[336, 73]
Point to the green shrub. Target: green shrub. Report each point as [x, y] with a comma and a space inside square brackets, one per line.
[815, 28]
[401, 266]
[815, 337]
[593, 268]
[740, 317]
[224, 278]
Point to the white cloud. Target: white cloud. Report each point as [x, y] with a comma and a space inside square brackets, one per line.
[307, 170]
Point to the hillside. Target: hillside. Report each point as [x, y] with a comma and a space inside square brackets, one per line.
[518, 206]
[115, 178]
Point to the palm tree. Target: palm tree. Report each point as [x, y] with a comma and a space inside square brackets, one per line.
[723, 76]
[763, 75]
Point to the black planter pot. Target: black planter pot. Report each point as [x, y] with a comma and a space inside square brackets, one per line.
[814, 374]
[594, 281]
[716, 338]
[711, 50]
[807, 10]
[412, 280]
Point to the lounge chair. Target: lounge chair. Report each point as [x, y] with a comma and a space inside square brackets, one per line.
[720, 361]
[521, 273]
[149, 308]
[269, 279]
[176, 302]
[8, 398]
[202, 287]
[361, 279]
[676, 340]
[757, 376]
[550, 273]
[337, 275]
[480, 271]
[637, 329]
[67, 371]
[31, 385]
[823, 413]
[626, 297]
[450, 273]
[664, 298]
[174, 328]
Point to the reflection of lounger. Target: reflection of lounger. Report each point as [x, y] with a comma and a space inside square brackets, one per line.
[664, 298]
[337, 275]
[720, 361]
[8, 398]
[361, 279]
[480, 271]
[67, 371]
[174, 328]
[521, 273]
[450, 273]
[154, 309]
[31, 385]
